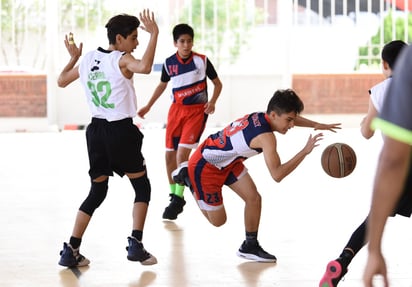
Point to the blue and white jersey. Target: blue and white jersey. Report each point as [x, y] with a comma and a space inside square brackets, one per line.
[189, 82]
[233, 142]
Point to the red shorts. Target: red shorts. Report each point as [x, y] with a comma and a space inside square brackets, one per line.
[185, 125]
[207, 180]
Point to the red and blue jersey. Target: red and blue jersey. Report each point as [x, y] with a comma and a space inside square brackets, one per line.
[233, 142]
[189, 78]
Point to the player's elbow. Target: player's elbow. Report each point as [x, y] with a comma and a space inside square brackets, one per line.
[277, 177]
[368, 136]
[145, 68]
[146, 71]
[367, 133]
[61, 83]
[219, 85]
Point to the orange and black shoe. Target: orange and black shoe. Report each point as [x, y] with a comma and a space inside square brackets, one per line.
[333, 274]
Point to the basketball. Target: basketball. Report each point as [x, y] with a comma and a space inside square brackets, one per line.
[338, 160]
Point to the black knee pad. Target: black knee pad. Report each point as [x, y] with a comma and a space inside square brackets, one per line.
[97, 194]
[142, 188]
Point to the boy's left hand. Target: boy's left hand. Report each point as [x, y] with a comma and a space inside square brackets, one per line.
[149, 23]
[209, 108]
[329, 127]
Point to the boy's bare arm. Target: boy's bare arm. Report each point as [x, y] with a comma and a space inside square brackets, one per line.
[156, 94]
[305, 122]
[70, 72]
[210, 105]
[277, 169]
[144, 65]
[366, 130]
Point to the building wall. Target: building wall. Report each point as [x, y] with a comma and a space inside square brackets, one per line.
[24, 95]
[335, 93]
[240, 95]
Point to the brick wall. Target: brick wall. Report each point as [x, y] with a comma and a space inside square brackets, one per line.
[335, 93]
[23, 95]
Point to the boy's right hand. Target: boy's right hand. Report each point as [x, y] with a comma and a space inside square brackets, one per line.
[74, 51]
[141, 113]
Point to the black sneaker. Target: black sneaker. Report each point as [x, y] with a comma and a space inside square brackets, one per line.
[255, 252]
[181, 175]
[70, 257]
[136, 252]
[333, 274]
[175, 207]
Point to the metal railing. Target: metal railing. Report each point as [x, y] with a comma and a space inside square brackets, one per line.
[224, 29]
[373, 22]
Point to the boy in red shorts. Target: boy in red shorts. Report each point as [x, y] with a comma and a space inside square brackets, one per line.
[219, 160]
[188, 71]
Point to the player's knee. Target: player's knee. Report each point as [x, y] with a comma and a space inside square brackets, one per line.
[217, 223]
[142, 188]
[254, 199]
[216, 219]
[97, 194]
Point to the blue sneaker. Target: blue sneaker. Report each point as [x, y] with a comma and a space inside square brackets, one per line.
[70, 257]
[136, 252]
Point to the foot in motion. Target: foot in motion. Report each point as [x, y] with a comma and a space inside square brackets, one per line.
[70, 257]
[333, 274]
[253, 251]
[175, 207]
[136, 252]
[181, 175]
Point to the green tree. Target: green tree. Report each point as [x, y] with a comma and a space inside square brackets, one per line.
[19, 19]
[82, 14]
[226, 26]
[370, 55]
[23, 27]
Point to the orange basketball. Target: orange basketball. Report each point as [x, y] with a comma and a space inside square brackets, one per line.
[338, 160]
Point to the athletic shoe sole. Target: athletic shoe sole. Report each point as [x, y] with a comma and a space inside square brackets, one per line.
[255, 257]
[333, 271]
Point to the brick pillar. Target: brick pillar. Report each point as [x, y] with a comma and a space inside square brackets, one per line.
[23, 95]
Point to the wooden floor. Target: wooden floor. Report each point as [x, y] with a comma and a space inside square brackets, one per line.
[306, 220]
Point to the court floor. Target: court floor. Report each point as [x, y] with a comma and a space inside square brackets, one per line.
[306, 219]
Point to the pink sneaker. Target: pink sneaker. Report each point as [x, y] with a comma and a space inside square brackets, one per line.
[333, 274]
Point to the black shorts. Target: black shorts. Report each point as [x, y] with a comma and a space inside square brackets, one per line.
[404, 206]
[114, 147]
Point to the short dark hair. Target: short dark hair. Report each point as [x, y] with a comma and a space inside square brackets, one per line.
[285, 101]
[182, 29]
[391, 51]
[122, 24]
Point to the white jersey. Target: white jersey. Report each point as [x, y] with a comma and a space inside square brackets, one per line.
[377, 93]
[109, 94]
